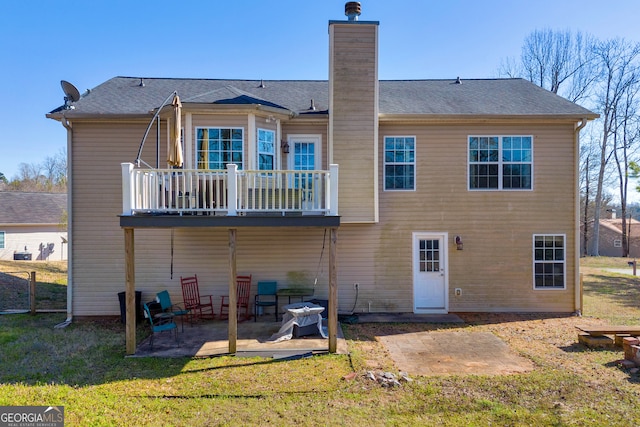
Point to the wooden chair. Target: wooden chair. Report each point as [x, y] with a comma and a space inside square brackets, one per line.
[160, 324]
[243, 290]
[200, 307]
[168, 308]
[267, 296]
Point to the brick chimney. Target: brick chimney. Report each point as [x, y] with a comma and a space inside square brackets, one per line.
[353, 113]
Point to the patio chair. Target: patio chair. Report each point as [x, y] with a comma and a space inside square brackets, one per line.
[160, 324]
[242, 291]
[200, 307]
[168, 308]
[266, 297]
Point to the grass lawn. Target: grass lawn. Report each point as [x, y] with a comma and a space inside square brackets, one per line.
[83, 368]
[51, 285]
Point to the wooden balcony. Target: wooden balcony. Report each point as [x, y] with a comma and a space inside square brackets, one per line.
[230, 193]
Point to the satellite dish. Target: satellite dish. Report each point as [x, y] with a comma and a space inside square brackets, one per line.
[70, 92]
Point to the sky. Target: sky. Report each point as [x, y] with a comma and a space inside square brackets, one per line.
[87, 42]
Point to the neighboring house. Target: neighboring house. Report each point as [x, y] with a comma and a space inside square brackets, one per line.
[32, 226]
[610, 239]
[454, 195]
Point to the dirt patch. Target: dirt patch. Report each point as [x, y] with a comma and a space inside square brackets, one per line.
[453, 352]
[518, 343]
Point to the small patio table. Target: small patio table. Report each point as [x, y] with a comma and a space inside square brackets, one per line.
[295, 292]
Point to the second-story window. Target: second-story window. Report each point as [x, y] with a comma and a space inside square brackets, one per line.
[216, 147]
[500, 162]
[266, 149]
[399, 162]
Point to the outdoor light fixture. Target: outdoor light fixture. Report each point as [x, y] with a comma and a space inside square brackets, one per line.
[284, 146]
[459, 243]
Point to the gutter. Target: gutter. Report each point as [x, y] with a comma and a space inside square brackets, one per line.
[484, 118]
[67, 125]
[577, 295]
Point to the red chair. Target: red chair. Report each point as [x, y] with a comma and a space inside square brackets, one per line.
[243, 290]
[200, 307]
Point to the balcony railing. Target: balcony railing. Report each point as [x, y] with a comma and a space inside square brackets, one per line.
[228, 192]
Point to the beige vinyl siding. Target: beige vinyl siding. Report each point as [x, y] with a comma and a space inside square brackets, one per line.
[98, 243]
[353, 78]
[494, 270]
[282, 254]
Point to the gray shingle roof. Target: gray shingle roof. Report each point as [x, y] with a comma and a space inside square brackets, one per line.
[31, 208]
[501, 97]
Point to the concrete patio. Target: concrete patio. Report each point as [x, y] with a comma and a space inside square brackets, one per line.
[210, 338]
[429, 352]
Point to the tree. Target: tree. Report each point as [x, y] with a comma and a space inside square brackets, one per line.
[617, 73]
[625, 141]
[561, 62]
[48, 176]
[587, 170]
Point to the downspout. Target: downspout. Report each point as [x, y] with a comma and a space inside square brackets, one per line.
[577, 295]
[67, 125]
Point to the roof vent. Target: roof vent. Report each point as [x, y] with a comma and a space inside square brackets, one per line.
[458, 81]
[262, 85]
[313, 106]
[352, 10]
[141, 84]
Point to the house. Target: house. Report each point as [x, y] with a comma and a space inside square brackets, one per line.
[610, 239]
[32, 226]
[421, 196]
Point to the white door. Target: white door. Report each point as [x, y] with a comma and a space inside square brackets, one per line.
[430, 277]
[304, 155]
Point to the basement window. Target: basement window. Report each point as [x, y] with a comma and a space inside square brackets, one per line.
[549, 264]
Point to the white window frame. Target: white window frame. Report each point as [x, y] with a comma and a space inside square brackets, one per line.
[617, 243]
[241, 165]
[258, 152]
[554, 261]
[500, 162]
[385, 163]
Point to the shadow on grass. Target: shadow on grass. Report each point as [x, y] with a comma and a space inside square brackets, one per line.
[14, 292]
[633, 377]
[581, 348]
[34, 352]
[623, 290]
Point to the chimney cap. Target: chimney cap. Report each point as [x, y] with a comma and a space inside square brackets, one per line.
[352, 10]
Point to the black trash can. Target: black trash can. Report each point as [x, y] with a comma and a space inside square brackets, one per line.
[123, 307]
